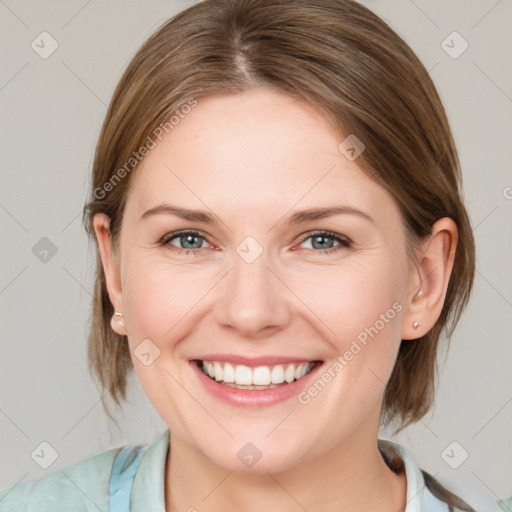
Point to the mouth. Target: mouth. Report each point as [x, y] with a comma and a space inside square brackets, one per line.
[258, 378]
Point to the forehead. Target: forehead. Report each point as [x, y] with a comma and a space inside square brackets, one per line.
[252, 152]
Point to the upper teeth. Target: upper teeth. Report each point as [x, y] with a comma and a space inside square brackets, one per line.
[259, 376]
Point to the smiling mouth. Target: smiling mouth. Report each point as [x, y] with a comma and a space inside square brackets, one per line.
[258, 378]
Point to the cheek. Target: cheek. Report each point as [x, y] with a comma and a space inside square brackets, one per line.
[351, 297]
[360, 308]
[158, 300]
[158, 296]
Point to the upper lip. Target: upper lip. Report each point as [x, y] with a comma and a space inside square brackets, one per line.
[252, 362]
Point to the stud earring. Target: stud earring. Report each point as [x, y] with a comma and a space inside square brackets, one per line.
[120, 322]
[415, 325]
[117, 322]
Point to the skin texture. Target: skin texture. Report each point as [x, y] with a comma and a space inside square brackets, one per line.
[251, 159]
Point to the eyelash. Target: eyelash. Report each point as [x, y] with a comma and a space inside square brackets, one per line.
[343, 241]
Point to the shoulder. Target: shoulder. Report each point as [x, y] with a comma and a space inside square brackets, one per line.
[424, 492]
[81, 487]
[454, 502]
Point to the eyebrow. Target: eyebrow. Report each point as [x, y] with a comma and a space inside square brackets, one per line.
[299, 217]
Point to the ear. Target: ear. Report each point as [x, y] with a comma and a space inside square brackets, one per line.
[430, 274]
[109, 260]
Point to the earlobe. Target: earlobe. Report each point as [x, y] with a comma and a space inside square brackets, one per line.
[430, 279]
[101, 223]
[117, 324]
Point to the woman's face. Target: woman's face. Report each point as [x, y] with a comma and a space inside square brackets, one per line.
[260, 285]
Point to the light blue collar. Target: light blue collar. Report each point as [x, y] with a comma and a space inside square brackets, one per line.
[139, 471]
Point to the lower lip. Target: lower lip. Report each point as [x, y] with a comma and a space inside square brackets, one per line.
[254, 397]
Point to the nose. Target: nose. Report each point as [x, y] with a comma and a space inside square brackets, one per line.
[254, 300]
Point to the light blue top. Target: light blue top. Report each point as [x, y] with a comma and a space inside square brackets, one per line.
[131, 479]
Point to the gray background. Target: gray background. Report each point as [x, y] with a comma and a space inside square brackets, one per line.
[51, 112]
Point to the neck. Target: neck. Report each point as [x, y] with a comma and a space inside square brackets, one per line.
[352, 476]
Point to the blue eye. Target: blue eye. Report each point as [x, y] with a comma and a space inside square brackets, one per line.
[191, 241]
[185, 238]
[320, 239]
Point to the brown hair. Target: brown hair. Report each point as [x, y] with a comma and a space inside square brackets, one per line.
[350, 66]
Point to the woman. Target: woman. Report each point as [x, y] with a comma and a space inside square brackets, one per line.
[281, 241]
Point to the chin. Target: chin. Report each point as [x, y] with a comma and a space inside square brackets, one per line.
[252, 458]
